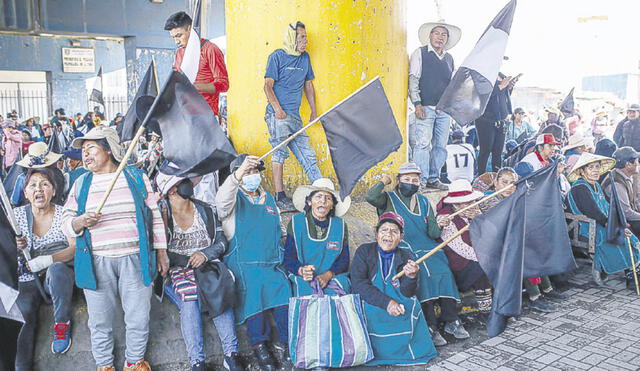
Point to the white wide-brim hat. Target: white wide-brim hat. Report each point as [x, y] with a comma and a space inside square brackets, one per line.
[323, 184]
[454, 33]
[39, 156]
[460, 191]
[585, 159]
[575, 141]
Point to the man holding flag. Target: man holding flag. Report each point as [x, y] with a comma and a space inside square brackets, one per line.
[210, 76]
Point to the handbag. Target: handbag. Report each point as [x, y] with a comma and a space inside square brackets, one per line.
[328, 331]
[183, 282]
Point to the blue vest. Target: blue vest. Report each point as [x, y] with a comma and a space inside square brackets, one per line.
[435, 279]
[401, 340]
[83, 260]
[609, 258]
[321, 253]
[255, 256]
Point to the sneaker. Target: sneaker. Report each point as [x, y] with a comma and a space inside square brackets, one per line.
[553, 294]
[285, 204]
[200, 366]
[437, 339]
[542, 306]
[598, 277]
[281, 351]
[233, 362]
[456, 329]
[264, 357]
[61, 338]
[437, 184]
[141, 365]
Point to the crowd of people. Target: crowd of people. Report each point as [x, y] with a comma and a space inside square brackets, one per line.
[221, 249]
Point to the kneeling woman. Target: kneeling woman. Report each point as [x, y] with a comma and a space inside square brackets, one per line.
[317, 244]
[586, 198]
[397, 328]
[48, 252]
[196, 242]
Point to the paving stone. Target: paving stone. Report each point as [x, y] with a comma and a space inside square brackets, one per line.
[548, 358]
[579, 355]
[594, 359]
[619, 364]
[572, 364]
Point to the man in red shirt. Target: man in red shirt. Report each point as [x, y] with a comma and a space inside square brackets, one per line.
[212, 78]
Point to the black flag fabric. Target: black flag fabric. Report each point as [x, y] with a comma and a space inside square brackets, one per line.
[467, 95]
[617, 221]
[361, 131]
[567, 106]
[10, 316]
[148, 86]
[516, 240]
[194, 143]
[54, 143]
[96, 93]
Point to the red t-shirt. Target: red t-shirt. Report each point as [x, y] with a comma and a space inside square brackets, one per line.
[210, 70]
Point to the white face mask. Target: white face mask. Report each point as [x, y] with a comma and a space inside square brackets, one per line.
[251, 182]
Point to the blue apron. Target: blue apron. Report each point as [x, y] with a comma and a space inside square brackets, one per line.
[402, 340]
[609, 258]
[435, 279]
[321, 253]
[254, 256]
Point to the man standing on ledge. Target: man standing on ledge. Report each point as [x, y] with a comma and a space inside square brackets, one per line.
[430, 70]
[288, 73]
[212, 78]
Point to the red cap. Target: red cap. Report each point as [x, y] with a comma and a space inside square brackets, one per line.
[390, 216]
[547, 138]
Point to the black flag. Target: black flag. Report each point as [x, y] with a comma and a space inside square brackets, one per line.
[467, 95]
[567, 105]
[96, 93]
[361, 131]
[617, 221]
[54, 142]
[194, 143]
[525, 235]
[149, 87]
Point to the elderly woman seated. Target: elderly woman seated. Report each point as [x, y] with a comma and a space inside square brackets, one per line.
[587, 198]
[462, 258]
[397, 328]
[44, 274]
[317, 244]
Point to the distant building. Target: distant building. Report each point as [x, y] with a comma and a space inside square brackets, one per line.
[625, 86]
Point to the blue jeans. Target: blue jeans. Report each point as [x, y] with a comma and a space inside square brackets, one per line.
[428, 141]
[281, 129]
[259, 325]
[191, 326]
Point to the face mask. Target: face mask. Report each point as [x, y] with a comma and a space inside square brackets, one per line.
[185, 189]
[407, 189]
[251, 182]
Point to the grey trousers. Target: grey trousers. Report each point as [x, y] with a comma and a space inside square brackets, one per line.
[118, 277]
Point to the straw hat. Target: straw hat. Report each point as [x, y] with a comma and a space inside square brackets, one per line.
[102, 132]
[575, 141]
[322, 184]
[454, 33]
[585, 159]
[460, 191]
[39, 156]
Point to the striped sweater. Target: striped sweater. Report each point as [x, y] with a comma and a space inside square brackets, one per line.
[116, 234]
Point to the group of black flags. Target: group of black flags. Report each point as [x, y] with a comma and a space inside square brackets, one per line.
[525, 235]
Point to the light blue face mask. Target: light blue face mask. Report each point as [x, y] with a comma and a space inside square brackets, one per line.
[251, 182]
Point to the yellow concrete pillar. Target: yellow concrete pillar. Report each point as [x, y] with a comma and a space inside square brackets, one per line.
[350, 42]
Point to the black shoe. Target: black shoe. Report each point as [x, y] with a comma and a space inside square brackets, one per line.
[282, 354]
[631, 284]
[233, 362]
[437, 184]
[200, 366]
[265, 358]
[542, 306]
[553, 294]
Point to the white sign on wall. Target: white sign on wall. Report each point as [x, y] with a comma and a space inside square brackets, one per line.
[78, 60]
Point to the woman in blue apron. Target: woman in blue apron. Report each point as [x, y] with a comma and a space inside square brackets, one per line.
[586, 198]
[397, 329]
[251, 222]
[436, 281]
[317, 244]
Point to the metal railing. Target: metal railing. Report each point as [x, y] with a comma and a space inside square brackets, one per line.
[28, 103]
[113, 104]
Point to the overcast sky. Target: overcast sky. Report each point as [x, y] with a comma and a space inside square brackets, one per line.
[548, 43]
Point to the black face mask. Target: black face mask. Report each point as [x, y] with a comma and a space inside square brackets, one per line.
[185, 189]
[407, 189]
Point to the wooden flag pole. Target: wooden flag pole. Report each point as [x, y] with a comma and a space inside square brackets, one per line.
[633, 266]
[292, 136]
[434, 250]
[484, 199]
[10, 214]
